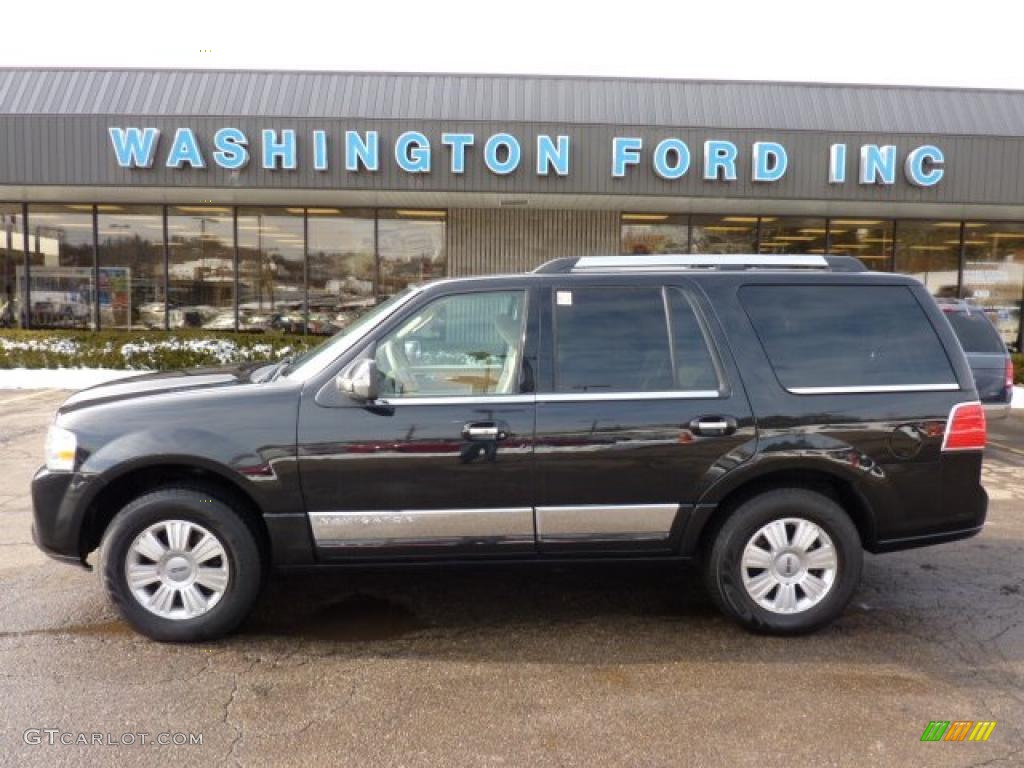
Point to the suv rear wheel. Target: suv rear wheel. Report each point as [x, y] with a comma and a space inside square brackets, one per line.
[785, 562]
[181, 565]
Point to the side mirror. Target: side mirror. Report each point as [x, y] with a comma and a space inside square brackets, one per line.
[358, 380]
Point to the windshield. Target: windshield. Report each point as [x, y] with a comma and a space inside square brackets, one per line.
[311, 362]
[975, 332]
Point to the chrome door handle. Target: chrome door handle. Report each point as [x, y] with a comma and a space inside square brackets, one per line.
[483, 431]
[713, 426]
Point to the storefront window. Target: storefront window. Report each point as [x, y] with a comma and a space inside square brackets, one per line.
[131, 254]
[930, 251]
[270, 270]
[12, 266]
[994, 274]
[723, 234]
[342, 267]
[791, 235]
[410, 248]
[201, 267]
[655, 233]
[870, 240]
[62, 281]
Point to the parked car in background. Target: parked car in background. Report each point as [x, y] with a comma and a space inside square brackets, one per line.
[986, 352]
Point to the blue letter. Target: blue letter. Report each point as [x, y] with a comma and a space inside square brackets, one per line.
[914, 166]
[283, 150]
[769, 161]
[549, 156]
[458, 142]
[230, 149]
[719, 154]
[625, 151]
[134, 148]
[185, 150]
[320, 150]
[661, 163]
[877, 164]
[412, 152]
[837, 164]
[513, 153]
[365, 151]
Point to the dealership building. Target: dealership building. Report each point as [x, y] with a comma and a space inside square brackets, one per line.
[259, 200]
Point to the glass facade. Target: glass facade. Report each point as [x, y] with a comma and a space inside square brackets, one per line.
[131, 266]
[930, 251]
[271, 287]
[62, 275]
[655, 233]
[200, 267]
[723, 234]
[12, 266]
[791, 235]
[342, 266]
[870, 240]
[993, 274]
[410, 248]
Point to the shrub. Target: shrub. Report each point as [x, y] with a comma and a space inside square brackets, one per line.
[144, 350]
[1018, 368]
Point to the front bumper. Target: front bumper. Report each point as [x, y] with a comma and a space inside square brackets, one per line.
[58, 512]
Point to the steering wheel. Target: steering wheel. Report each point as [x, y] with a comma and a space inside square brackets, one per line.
[399, 364]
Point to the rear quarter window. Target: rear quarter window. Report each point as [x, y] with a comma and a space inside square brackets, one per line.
[975, 332]
[850, 336]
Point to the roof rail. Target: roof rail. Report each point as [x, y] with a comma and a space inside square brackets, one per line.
[728, 261]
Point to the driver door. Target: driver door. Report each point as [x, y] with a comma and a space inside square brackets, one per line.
[441, 463]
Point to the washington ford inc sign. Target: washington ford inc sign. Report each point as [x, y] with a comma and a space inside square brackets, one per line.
[502, 154]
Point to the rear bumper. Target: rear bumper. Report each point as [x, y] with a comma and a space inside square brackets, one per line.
[58, 513]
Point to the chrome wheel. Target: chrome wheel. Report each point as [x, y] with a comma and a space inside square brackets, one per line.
[789, 565]
[177, 569]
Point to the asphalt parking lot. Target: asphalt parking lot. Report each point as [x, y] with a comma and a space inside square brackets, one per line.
[617, 666]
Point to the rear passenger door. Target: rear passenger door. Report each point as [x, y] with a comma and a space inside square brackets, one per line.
[638, 409]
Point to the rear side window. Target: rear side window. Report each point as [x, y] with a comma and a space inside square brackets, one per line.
[975, 332]
[830, 336]
[629, 339]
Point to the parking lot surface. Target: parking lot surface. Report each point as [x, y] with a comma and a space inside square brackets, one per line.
[581, 666]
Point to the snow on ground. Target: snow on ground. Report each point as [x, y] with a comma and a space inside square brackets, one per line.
[1018, 397]
[59, 378]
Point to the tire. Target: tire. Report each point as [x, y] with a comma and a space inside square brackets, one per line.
[797, 603]
[204, 553]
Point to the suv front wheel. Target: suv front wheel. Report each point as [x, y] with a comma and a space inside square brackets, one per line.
[181, 565]
[786, 561]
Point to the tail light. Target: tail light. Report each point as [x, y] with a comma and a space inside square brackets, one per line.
[1009, 374]
[965, 428]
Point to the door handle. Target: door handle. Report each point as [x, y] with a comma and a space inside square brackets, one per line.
[713, 426]
[484, 430]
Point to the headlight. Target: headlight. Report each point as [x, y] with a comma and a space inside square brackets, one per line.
[61, 447]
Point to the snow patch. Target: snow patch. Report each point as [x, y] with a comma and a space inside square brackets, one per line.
[1018, 397]
[59, 378]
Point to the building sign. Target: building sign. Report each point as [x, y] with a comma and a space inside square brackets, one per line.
[413, 152]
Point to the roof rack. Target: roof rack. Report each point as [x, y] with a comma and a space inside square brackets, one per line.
[671, 262]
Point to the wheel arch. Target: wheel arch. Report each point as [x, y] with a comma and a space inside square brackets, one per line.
[137, 479]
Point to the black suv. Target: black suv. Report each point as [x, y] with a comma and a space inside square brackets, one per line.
[769, 416]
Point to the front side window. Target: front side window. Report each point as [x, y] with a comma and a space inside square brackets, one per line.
[464, 345]
[629, 339]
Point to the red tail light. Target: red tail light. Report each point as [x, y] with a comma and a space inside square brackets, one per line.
[1009, 374]
[965, 429]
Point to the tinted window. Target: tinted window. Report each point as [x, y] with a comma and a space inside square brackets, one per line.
[469, 344]
[695, 368]
[975, 332]
[846, 336]
[611, 339]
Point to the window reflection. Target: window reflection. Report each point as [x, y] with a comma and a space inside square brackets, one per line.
[12, 266]
[62, 282]
[724, 234]
[791, 235]
[270, 270]
[870, 240]
[411, 249]
[994, 274]
[930, 251]
[342, 267]
[131, 258]
[201, 267]
[654, 233]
